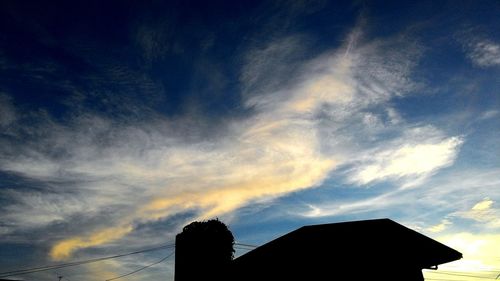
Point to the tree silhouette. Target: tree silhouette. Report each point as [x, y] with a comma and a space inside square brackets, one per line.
[214, 235]
[204, 250]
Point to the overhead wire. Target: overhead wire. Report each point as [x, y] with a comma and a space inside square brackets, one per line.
[476, 269]
[461, 275]
[246, 250]
[241, 246]
[142, 268]
[437, 279]
[462, 271]
[245, 245]
[57, 266]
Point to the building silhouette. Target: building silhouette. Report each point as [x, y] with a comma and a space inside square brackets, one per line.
[361, 250]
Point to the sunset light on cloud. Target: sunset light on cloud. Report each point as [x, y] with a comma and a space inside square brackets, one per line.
[118, 132]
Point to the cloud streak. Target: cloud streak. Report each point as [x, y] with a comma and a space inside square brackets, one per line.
[480, 252]
[414, 157]
[479, 49]
[485, 53]
[483, 212]
[433, 196]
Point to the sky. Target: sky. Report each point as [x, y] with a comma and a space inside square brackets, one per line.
[123, 121]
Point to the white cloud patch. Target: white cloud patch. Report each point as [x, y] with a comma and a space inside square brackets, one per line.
[485, 53]
[483, 212]
[353, 207]
[414, 157]
[442, 226]
[479, 49]
[480, 255]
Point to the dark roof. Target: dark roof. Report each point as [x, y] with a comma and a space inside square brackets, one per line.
[377, 243]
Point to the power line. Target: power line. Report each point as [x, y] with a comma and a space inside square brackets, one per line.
[245, 248]
[463, 271]
[245, 245]
[439, 279]
[142, 268]
[462, 275]
[57, 266]
[476, 268]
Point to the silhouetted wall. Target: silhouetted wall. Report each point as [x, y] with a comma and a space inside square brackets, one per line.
[362, 250]
[203, 251]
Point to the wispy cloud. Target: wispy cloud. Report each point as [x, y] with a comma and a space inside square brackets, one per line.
[425, 201]
[264, 73]
[440, 227]
[489, 114]
[480, 253]
[483, 212]
[485, 53]
[480, 49]
[417, 155]
[137, 172]
[7, 111]
[366, 205]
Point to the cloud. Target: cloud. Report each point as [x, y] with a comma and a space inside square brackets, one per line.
[484, 213]
[489, 114]
[417, 155]
[479, 49]
[484, 53]
[480, 252]
[65, 248]
[56, 207]
[440, 227]
[165, 176]
[7, 111]
[427, 202]
[367, 205]
[138, 172]
[483, 205]
[263, 71]
[153, 41]
[228, 175]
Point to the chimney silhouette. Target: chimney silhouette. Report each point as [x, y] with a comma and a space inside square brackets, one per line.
[203, 251]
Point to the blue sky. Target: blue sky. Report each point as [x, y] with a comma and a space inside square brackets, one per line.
[121, 122]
